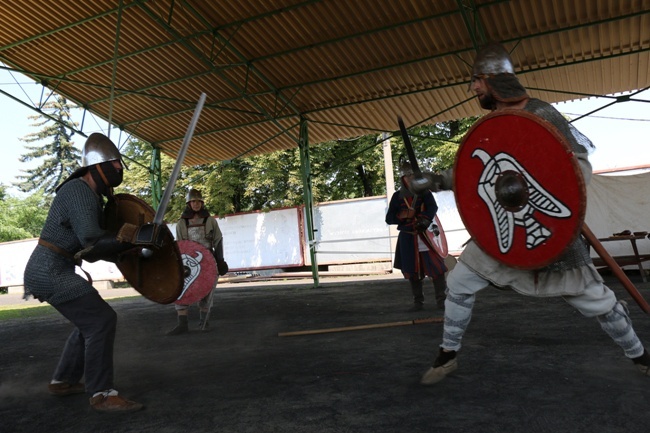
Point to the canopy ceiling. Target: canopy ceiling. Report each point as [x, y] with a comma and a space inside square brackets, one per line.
[348, 67]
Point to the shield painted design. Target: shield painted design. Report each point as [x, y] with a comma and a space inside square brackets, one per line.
[519, 189]
[200, 272]
[435, 237]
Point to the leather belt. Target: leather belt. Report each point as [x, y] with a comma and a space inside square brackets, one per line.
[68, 255]
[58, 250]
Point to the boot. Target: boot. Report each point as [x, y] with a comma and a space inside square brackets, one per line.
[418, 296]
[643, 363]
[111, 402]
[439, 287]
[181, 328]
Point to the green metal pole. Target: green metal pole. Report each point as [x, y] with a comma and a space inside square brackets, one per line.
[156, 178]
[303, 145]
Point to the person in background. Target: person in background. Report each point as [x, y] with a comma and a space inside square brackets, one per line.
[413, 215]
[196, 224]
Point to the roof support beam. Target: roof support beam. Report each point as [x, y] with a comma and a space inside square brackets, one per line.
[470, 15]
[114, 72]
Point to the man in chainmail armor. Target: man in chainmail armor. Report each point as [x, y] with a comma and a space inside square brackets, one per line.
[74, 231]
[196, 224]
[573, 276]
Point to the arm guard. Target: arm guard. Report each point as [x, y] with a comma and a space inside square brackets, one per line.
[106, 248]
[222, 266]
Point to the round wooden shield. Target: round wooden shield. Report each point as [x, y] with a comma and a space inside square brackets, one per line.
[200, 270]
[437, 241]
[519, 189]
[159, 277]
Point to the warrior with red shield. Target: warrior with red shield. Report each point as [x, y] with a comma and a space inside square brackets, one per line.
[524, 214]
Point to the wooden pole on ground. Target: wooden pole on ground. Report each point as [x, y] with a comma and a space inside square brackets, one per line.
[360, 327]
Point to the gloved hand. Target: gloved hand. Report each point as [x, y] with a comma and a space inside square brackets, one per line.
[440, 181]
[421, 223]
[222, 267]
[146, 235]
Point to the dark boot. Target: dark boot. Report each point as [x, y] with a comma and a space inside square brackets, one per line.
[418, 296]
[181, 328]
[439, 287]
[643, 363]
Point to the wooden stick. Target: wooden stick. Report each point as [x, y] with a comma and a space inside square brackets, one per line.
[618, 272]
[359, 327]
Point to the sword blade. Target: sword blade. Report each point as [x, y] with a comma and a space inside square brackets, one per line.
[409, 148]
[419, 184]
[164, 202]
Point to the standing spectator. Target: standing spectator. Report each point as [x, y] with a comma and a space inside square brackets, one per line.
[196, 224]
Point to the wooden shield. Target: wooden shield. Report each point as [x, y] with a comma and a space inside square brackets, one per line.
[158, 278]
[200, 270]
[519, 189]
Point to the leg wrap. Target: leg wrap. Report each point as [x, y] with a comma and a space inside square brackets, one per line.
[618, 326]
[458, 313]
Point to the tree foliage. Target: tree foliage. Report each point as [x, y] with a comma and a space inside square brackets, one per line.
[434, 145]
[55, 149]
[341, 169]
[23, 218]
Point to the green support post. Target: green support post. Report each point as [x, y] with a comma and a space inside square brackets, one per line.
[303, 145]
[155, 173]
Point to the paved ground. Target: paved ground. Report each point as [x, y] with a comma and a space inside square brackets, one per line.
[528, 365]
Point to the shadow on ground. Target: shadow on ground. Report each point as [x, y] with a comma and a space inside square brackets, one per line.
[528, 365]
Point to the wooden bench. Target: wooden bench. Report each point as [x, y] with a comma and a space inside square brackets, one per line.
[626, 260]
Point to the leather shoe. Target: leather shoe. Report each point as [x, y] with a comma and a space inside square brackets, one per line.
[64, 388]
[436, 374]
[113, 404]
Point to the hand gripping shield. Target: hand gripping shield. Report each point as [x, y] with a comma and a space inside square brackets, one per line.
[200, 271]
[158, 277]
[519, 189]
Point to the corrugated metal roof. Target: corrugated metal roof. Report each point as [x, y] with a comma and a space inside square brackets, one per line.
[347, 67]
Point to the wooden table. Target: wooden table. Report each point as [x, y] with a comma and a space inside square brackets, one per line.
[632, 259]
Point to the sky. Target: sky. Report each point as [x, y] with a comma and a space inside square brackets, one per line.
[620, 132]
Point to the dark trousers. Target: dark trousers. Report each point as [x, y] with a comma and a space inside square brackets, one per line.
[89, 349]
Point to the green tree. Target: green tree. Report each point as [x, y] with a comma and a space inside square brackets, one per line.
[345, 169]
[23, 218]
[435, 145]
[58, 155]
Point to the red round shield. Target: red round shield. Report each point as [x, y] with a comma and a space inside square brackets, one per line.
[200, 271]
[437, 241]
[519, 189]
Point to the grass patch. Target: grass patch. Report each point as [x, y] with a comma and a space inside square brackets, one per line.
[12, 312]
[23, 312]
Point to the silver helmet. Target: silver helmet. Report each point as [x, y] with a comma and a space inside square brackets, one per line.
[193, 194]
[98, 148]
[405, 168]
[493, 59]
